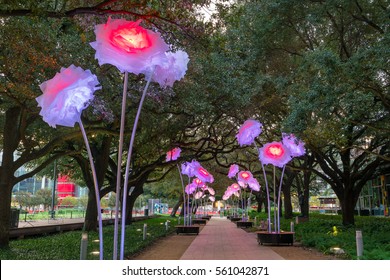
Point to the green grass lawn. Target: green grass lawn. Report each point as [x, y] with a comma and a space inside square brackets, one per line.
[66, 246]
[319, 233]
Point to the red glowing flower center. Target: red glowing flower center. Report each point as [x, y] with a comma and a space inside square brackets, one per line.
[130, 39]
[275, 151]
[203, 172]
[245, 175]
[197, 181]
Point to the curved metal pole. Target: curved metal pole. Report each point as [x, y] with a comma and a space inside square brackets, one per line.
[95, 183]
[129, 154]
[268, 200]
[184, 195]
[274, 187]
[280, 189]
[119, 165]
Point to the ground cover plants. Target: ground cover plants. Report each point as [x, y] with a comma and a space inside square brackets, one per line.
[66, 246]
[326, 232]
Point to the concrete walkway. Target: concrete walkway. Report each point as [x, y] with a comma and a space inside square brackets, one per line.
[220, 239]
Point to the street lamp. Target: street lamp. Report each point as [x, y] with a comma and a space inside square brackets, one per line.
[53, 193]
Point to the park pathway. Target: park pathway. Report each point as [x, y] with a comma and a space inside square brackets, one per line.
[220, 239]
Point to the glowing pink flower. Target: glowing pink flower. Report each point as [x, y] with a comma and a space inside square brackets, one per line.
[66, 95]
[201, 173]
[233, 170]
[234, 187]
[211, 191]
[173, 70]
[296, 146]
[190, 189]
[198, 195]
[274, 153]
[198, 182]
[187, 169]
[248, 132]
[254, 184]
[225, 197]
[173, 154]
[212, 198]
[128, 46]
[244, 177]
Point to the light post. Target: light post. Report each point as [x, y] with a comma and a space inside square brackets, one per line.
[53, 193]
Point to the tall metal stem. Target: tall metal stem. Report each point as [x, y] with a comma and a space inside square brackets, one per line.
[129, 154]
[268, 200]
[279, 196]
[95, 183]
[119, 166]
[184, 195]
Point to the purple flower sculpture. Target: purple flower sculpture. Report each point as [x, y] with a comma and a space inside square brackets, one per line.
[233, 170]
[274, 153]
[295, 146]
[128, 46]
[173, 154]
[248, 132]
[173, 70]
[66, 95]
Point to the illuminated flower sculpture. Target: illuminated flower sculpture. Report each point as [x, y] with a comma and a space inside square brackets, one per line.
[244, 177]
[274, 153]
[66, 95]
[64, 98]
[173, 70]
[248, 132]
[277, 154]
[134, 49]
[233, 170]
[194, 169]
[294, 145]
[201, 173]
[128, 46]
[173, 154]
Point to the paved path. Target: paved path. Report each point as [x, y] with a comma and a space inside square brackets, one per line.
[220, 239]
[48, 222]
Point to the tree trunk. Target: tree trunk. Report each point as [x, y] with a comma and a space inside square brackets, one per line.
[348, 202]
[260, 199]
[177, 205]
[91, 222]
[288, 213]
[10, 144]
[348, 209]
[138, 190]
[5, 210]
[286, 188]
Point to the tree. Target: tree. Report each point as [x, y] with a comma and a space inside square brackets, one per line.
[69, 201]
[343, 120]
[46, 197]
[323, 64]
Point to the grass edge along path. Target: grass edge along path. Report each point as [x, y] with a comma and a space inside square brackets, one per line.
[66, 245]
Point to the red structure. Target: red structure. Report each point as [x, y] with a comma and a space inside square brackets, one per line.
[65, 187]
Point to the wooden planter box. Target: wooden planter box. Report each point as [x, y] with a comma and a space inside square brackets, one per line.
[277, 238]
[187, 229]
[199, 221]
[244, 224]
[235, 219]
